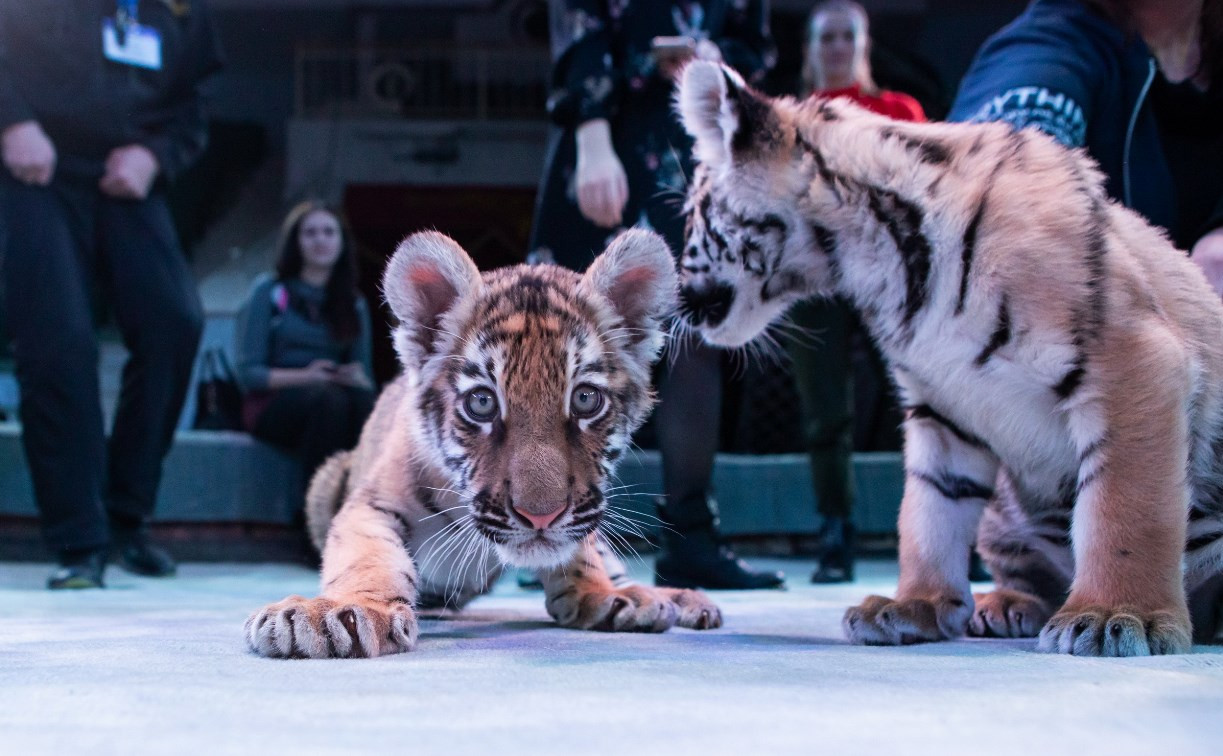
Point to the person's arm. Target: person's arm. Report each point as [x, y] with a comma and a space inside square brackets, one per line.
[364, 353]
[584, 85]
[1041, 75]
[1208, 254]
[1207, 251]
[178, 140]
[746, 43]
[252, 337]
[584, 93]
[26, 150]
[359, 369]
[13, 107]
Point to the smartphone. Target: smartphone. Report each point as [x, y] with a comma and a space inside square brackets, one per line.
[672, 47]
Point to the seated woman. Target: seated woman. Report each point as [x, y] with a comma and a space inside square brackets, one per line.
[303, 343]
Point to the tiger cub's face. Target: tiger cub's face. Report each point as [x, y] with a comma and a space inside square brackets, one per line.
[746, 257]
[531, 381]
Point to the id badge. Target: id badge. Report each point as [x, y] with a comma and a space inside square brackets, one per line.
[141, 45]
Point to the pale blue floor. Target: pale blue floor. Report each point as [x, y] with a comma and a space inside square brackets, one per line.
[151, 666]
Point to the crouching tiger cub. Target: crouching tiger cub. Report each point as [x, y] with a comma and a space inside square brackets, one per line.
[1061, 363]
[520, 391]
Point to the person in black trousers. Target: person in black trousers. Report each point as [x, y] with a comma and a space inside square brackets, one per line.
[98, 110]
[619, 159]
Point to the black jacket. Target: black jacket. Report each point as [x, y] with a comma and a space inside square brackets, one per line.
[52, 70]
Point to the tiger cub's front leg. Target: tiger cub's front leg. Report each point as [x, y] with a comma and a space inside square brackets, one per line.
[582, 595]
[369, 588]
[1130, 513]
[949, 475]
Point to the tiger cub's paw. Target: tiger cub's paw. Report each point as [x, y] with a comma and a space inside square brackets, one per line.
[1116, 631]
[1005, 613]
[881, 621]
[320, 628]
[632, 608]
[696, 610]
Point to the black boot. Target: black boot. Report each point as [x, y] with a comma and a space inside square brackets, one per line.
[136, 553]
[836, 552]
[80, 568]
[694, 557]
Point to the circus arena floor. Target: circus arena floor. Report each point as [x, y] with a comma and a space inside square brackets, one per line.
[149, 666]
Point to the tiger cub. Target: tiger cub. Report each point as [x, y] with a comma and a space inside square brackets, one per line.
[521, 388]
[1061, 364]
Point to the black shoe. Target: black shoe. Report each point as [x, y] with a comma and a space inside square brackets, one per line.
[137, 554]
[79, 569]
[836, 552]
[693, 557]
[976, 569]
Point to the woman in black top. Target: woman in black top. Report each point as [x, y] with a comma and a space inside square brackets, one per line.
[303, 342]
[620, 159]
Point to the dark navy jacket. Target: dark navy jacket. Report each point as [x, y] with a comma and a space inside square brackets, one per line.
[52, 71]
[1065, 69]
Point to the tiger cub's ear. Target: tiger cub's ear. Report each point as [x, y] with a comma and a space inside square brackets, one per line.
[426, 276]
[637, 275]
[723, 114]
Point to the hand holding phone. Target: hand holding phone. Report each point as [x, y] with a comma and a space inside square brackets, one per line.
[671, 53]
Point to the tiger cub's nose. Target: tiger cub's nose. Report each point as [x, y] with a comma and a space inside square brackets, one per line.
[706, 302]
[541, 515]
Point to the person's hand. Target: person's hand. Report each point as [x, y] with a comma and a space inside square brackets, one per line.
[672, 61]
[602, 187]
[1208, 254]
[130, 171]
[28, 153]
[320, 371]
[353, 374]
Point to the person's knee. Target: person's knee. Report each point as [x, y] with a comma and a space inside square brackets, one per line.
[330, 400]
[55, 352]
[175, 330]
[185, 322]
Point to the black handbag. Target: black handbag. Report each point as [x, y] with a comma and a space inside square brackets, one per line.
[218, 399]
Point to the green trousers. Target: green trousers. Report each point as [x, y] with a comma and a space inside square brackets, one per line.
[823, 376]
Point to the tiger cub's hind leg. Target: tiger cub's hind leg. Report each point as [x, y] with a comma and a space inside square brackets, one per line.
[1029, 557]
[1131, 431]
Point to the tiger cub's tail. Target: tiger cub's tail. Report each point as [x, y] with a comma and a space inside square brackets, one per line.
[325, 495]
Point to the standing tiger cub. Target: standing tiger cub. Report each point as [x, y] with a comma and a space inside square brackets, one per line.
[521, 389]
[1060, 362]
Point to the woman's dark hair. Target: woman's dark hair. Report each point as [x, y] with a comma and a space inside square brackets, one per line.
[340, 301]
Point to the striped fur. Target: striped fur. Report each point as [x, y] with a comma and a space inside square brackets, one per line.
[1059, 359]
[521, 389]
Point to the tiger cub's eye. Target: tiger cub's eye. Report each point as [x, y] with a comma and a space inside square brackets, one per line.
[481, 404]
[586, 401]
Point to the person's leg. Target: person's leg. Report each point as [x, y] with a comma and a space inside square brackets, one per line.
[312, 422]
[822, 371]
[159, 315]
[47, 264]
[687, 420]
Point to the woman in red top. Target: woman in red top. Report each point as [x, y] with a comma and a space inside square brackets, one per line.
[836, 63]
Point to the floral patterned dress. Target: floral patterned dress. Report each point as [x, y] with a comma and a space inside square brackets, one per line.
[603, 68]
